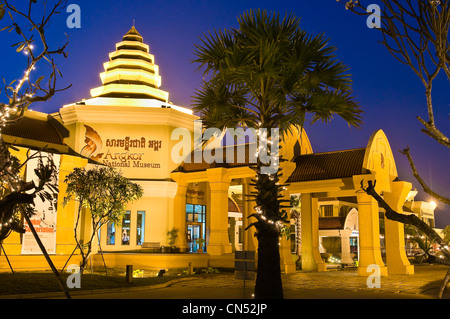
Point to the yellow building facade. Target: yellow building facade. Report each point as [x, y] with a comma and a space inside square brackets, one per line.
[129, 123]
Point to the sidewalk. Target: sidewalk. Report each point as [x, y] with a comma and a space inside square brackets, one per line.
[344, 284]
[425, 283]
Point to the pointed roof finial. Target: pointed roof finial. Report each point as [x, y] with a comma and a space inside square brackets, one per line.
[134, 22]
[133, 35]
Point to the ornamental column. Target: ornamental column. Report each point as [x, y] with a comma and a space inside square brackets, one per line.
[219, 182]
[396, 259]
[369, 233]
[311, 259]
[179, 219]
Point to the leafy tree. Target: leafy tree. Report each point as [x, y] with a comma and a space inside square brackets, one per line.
[416, 33]
[105, 193]
[269, 73]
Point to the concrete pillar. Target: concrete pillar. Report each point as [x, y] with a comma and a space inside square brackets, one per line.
[369, 235]
[179, 218]
[219, 182]
[311, 259]
[286, 262]
[346, 257]
[396, 259]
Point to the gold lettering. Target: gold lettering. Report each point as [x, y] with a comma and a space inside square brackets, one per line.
[108, 154]
[128, 143]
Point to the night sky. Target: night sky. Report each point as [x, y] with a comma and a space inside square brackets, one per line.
[390, 94]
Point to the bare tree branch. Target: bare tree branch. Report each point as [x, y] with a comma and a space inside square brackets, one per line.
[25, 91]
[416, 174]
[416, 34]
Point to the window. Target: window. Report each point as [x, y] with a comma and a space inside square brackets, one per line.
[189, 212]
[343, 211]
[195, 213]
[326, 210]
[126, 228]
[354, 245]
[199, 213]
[140, 224]
[111, 234]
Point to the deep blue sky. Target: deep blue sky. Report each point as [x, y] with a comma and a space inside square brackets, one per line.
[390, 94]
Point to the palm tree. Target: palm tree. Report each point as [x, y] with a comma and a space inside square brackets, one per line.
[269, 73]
[423, 242]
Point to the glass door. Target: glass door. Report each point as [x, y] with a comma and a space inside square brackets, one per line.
[194, 232]
[196, 226]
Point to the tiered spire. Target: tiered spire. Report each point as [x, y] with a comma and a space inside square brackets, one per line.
[131, 71]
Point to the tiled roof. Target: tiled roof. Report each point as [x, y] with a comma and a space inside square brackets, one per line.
[309, 167]
[37, 129]
[330, 165]
[189, 164]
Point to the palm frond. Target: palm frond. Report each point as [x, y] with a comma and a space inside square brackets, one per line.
[270, 70]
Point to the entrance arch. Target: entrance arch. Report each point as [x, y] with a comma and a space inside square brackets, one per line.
[340, 174]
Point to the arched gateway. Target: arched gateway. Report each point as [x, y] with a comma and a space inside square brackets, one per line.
[339, 175]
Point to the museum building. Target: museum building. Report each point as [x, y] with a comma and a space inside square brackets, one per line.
[129, 123]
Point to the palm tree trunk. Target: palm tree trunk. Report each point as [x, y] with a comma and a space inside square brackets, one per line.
[268, 281]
